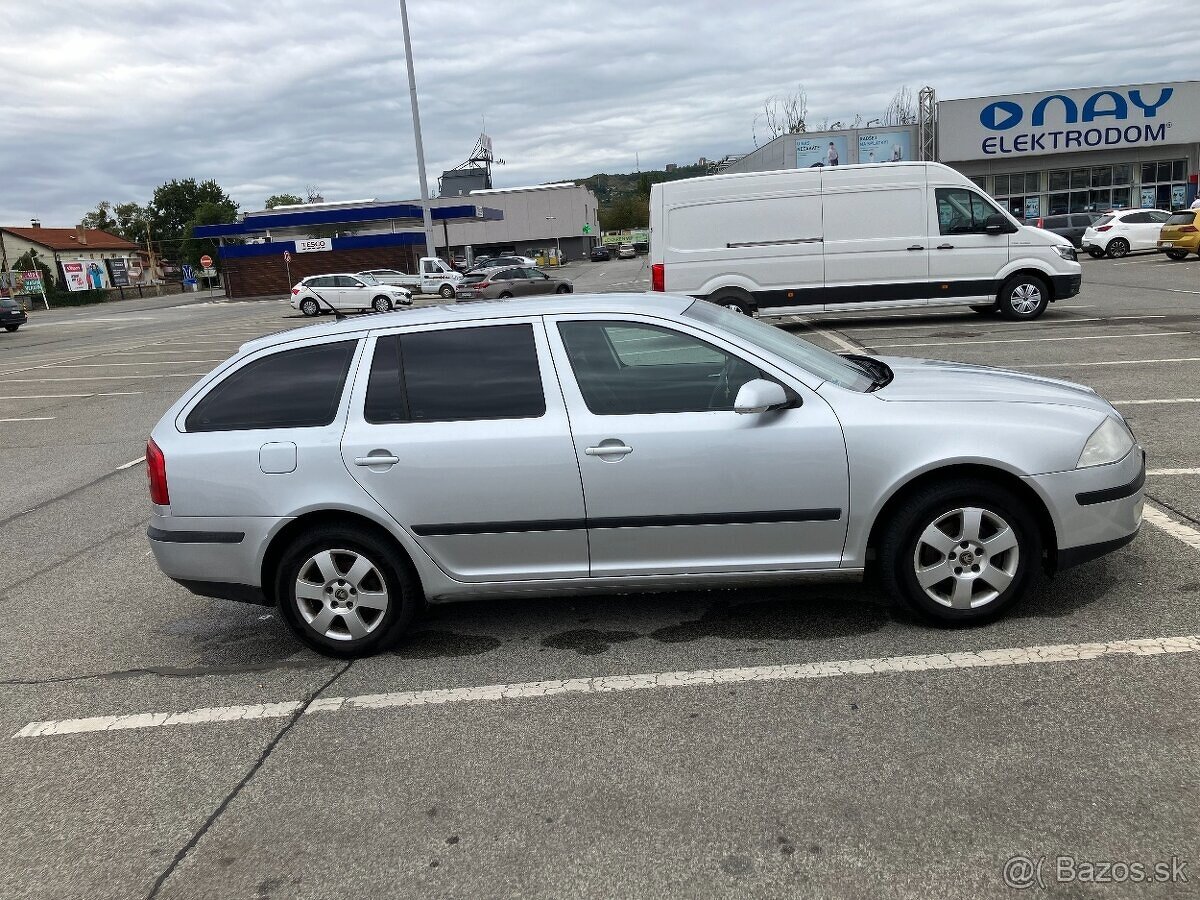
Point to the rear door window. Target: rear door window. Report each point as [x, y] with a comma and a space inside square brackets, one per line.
[490, 372]
[298, 388]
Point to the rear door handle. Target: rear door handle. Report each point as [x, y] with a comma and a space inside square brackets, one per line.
[376, 458]
[613, 449]
[945, 246]
[916, 247]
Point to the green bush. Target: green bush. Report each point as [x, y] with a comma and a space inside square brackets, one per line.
[76, 298]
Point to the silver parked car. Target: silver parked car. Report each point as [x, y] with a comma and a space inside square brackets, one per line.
[502, 282]
[353, 471]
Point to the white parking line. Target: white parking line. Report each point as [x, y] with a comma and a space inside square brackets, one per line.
[1173, 471]
[69, 396]
[131, 463]
[151, 362]
[610, 684]
[106, 377]
[1148, 402]
[1083, 337]
[31, 419]
[1176, 529]
[1112, 362]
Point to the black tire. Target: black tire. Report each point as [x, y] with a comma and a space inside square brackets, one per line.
[1095, 253]
[310, 307]
[1023, 298]
[381, 304]
[920, 514]
[1176, 254]
[403, 592]
[506, 295]
[562, 289]
[1117, 248]
[733, 301]
[986, 310]
[446, 291]
[11, 327]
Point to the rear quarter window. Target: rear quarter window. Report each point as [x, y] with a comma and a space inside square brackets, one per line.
[298, 388]
[1103, 220]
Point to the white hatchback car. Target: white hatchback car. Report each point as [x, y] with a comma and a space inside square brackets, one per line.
[344, 292]
[1116, 233]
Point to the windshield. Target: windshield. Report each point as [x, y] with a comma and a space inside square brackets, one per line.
[811, 358]
[5, 301]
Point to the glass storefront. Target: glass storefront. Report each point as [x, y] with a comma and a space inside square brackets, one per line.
[1159, 184]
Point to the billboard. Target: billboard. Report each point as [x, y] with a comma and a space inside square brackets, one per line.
[84, 274]
[118, 272]
[830, 150]
[1022, 125]
[884, 146]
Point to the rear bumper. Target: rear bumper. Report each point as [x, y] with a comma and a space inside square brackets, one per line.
[1095, 510]
[1066, 286]
[212, 551]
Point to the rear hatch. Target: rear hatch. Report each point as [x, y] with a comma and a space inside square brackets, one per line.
[1180, 224]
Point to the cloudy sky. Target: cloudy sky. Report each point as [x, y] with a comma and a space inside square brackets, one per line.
[104, 101]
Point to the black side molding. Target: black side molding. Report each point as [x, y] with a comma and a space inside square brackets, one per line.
[195, 537]
[1120, 492]
[732, 518]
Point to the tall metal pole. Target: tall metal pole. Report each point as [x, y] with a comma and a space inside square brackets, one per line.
[412, 95]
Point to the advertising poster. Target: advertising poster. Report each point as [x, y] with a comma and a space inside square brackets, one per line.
[1032, 207]
[823, 151]
[75, 275]
[885, 146]
[1178, 196]
[1148, 198]
[118, 273]
[31, 282]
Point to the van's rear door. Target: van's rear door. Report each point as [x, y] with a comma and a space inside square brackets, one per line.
[876, 239]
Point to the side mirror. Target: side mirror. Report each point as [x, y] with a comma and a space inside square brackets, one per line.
[996, 224]
[760, 395]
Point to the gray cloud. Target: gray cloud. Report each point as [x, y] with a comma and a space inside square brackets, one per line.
[106, 101]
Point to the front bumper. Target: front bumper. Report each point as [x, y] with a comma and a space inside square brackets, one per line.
[1066, 286]
[1094, 510]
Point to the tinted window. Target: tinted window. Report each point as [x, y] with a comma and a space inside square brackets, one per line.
[623, 368]
[1103, 220]
[961, 211]
[7, 302]
[508, 275]
[1158, 216]
[293, 389]
[1182, 218]
[461, 373]
[536, 274]
[1136, 219]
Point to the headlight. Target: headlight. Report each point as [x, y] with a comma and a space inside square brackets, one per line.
[1108, 443]
[1066, 252]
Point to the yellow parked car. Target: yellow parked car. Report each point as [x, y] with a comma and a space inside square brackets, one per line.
[1180, 234]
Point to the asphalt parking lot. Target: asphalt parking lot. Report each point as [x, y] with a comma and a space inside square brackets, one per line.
[857, 754]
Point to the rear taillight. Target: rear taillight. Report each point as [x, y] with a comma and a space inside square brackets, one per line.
[1103, 227]
[1187, 229]
[156, 471]
[1041, 223]
[658, 277]
[295, 290]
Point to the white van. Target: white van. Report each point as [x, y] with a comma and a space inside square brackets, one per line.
[851, 238]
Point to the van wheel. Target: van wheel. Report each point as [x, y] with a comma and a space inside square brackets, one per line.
[1117, 248]
[447, 291]
[986, 310]
[310, 307]
[1176, 254]
[733, 302]
[960, 553]
[340, 592]
[1024, 297]
[381, 304]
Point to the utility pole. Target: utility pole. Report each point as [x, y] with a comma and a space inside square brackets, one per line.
[416, 114]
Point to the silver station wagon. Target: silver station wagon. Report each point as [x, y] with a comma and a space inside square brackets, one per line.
[351, 472]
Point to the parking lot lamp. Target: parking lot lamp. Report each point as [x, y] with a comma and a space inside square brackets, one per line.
[416, 114]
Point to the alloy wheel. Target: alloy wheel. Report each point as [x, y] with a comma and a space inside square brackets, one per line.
[341, 595]
[966, 558]
[1026, 297]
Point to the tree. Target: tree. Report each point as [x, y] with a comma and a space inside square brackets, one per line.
[625, 213]
[31, 260]
[782, 115]
[901, 111]
[174, 210]
[283, 200]
[100, 219]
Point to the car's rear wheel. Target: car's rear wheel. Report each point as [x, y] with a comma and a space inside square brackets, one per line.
[447, 291]
[505, 295]
[562, 289]
[1117, 248]
[986, 309]
[381, 304]
[310, 307]
[11, 327]
[960, 552]
[341, 593]
[1176, 254]
[1024, 297]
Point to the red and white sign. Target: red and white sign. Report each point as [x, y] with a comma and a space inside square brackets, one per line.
[75, 275]
[206, 261]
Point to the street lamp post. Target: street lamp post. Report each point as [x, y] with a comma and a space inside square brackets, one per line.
[416, 114]
[557, 242]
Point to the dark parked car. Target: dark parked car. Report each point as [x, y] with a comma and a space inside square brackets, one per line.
[12, 315]
[503, 282]
[1069, 226]
[600, 253]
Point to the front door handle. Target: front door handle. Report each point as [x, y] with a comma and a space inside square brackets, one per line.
[916, 247]
[945, 246]
[609, 449]
[376, 458]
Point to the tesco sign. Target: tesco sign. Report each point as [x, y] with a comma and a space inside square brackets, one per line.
[1065, 121]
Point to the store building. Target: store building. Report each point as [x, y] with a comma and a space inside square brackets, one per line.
[1044, 153]
[1084, 150]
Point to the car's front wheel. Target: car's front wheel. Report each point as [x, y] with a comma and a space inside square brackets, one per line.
[310, 307]
[1024, 297]
[1095, 252]
[960, 552]
[381, 304]
[11, 327]
[340, 592]
[562, 289]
